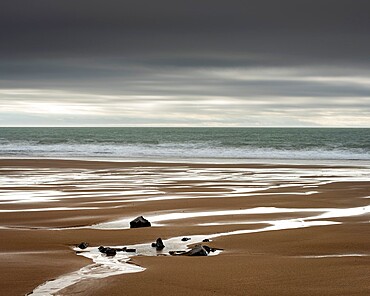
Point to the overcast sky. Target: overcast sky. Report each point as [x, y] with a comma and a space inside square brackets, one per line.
[185, 63]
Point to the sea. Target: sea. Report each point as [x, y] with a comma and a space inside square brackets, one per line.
[307, 145]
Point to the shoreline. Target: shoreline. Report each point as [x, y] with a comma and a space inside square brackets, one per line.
[205, 161]
[81, 162]
[41, 240]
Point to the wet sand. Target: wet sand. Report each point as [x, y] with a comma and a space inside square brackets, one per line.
[49, 206]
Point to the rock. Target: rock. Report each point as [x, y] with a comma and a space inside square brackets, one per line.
[206, 240]
[159, 244]
[102, 249]
[208, 249]
[185, 239]
[139, 222]
[83, 245]
[198, 250]
[110, 252]
[131, 250]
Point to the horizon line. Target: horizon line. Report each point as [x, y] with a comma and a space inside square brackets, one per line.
[146, 126]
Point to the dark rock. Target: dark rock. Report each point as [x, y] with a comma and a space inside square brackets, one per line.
[102, 249]
[83, 245]
[139, 222]
[110, 252]
[208, 249]
[198, 250]
[159, 244]
[206, 240]
[185, 239]
[131, 250]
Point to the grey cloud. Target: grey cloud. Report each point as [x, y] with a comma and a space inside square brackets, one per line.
[179, 82]
[308, 55]
[289, 30]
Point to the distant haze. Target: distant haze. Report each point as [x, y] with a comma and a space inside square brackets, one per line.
[185, 63]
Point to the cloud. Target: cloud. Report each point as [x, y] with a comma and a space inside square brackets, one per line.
[238, 63]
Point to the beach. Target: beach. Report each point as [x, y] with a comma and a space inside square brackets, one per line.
[283, 229]
[185, 148]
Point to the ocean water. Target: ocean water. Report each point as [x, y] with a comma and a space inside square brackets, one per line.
[238, 144]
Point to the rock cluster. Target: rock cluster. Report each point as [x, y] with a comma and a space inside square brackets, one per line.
[197, 250]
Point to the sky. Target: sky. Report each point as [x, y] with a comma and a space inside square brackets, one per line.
[185, 63]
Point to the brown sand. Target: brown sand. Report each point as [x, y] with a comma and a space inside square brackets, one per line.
[265, 263]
